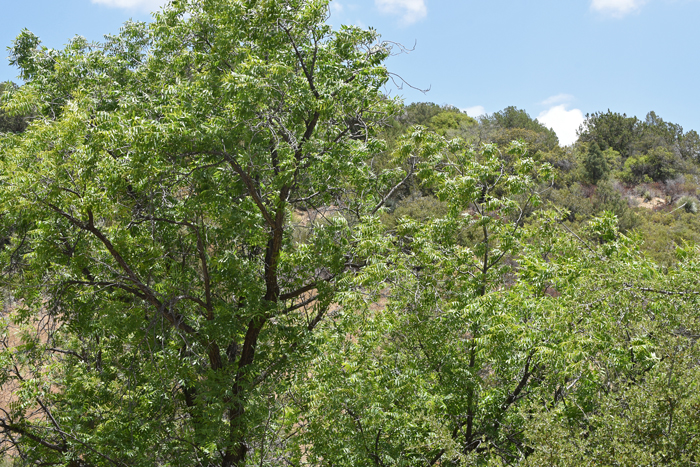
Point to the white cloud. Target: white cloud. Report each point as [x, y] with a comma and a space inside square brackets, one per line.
[474, 111]
[558, 99]
[563, 122]
[409, 10]
[616, 8]
[145, 5]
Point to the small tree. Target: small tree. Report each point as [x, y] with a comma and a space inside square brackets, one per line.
[595, 164]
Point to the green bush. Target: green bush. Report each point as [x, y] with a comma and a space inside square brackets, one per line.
[417, 207]
[689, 204]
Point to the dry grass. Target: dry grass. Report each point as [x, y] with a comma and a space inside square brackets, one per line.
[652, 204]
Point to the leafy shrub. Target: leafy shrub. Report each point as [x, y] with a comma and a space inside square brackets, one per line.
[689, 203]
[417, 207]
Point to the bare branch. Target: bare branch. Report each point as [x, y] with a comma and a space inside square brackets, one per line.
[393, 190]
[299, 291]
[308, 73]
[660, 291]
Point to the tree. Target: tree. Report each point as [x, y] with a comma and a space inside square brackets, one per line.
[577, 335]
[11, 124]
[610, 130]
[659, 164]
[197, 273]
[690, 146]
[512, 124]
[420, 113]
[149, 214]
[512, 118]
[595, 164]
[435, 376]
[447, 122]
[440, 119]
[639, 405]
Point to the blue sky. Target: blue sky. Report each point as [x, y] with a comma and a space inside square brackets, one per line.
[557, 59]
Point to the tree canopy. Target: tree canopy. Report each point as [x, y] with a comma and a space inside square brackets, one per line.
[148, 210]
[222, 244]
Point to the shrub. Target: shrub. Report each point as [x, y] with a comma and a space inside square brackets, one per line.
[689, 203]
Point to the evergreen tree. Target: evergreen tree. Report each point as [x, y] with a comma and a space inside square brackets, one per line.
[595, 165]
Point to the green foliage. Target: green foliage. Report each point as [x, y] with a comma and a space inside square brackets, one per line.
[689, 204]
[689, 146]
[212, 259]
[665, 232]
[440, 119]
[426, 378]
[642, 406]
[659, 164]
[512, 118]
[664, 164]
[655, 132]
[416, 207]
[443, 122]
[653, 148]
[595, 164]
[149, 238]
[613, 159]
[636, 170]
[10, 123]
[582, 202]
[610, 130]
[420, 113]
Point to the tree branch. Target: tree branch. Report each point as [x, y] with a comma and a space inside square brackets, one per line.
[393, 190]
[89, 226]
[659, 291]
[307, 73]
[21, 431]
